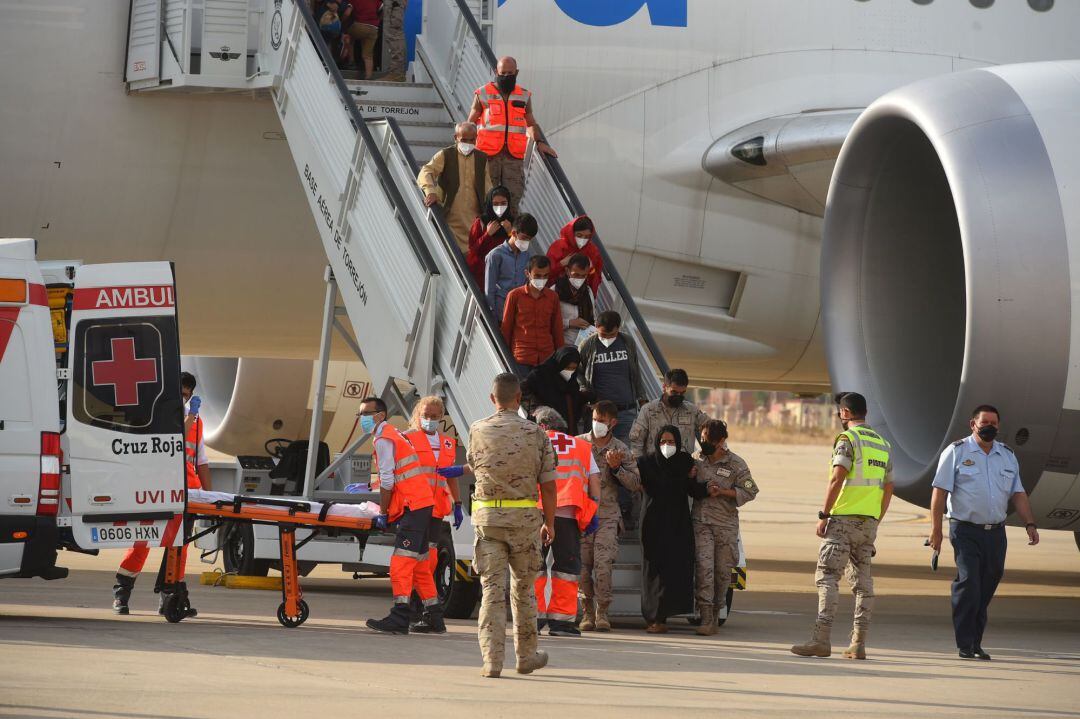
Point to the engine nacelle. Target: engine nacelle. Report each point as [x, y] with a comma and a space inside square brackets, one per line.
[951, 272]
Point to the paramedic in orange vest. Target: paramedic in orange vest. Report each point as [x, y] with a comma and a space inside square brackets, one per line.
[437, 452]
[197, 471]
[502, 112]
[578, 486]
[405, 497]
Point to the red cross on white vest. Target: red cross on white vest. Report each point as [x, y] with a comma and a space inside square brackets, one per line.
[125, 372]
[562, 443]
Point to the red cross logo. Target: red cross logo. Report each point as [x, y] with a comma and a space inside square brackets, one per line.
[561, 443]
[448, 444]
[124, 371]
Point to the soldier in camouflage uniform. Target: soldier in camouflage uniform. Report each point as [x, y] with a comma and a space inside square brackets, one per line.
[511, 458]
[670, 409]
[598, 550]
[394, 39]
[716, 522]
[860, 489]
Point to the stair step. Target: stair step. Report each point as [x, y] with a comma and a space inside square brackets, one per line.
[393, 92]
[415, 111]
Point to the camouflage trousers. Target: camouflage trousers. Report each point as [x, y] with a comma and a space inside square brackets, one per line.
[598, 551]
[394, 36]
[849, 542]
[506, 170]
[717, 549]
[496, 549]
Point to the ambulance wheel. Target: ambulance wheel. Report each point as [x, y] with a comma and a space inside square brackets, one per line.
[176, 607]
[458, 596]
[730, 596]
[290, 622]
[238, 551]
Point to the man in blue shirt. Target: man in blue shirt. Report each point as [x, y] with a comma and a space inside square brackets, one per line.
[504, 267]
[977, 477]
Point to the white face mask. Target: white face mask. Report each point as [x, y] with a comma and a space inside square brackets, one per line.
[600, 429]
[581, 241]
[466, 148]
[429, 425]
[539, 283]
[577, 282]
[500, 210]
[566, 374]
[668, 450]
[606, 341]
[522, 245]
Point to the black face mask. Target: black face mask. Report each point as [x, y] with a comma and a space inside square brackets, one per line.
[674, 400]
[708, 449]
[987, 433]
[506, 83]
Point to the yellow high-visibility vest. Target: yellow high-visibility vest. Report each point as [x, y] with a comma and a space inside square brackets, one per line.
[864, 486]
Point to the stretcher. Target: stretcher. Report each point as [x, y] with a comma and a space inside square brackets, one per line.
[287, 515]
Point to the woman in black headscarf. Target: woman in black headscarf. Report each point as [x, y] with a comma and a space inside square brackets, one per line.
[554, 383]
[667, 538]
[489, 230]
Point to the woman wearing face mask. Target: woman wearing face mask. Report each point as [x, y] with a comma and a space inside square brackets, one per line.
[489, 230]
[667, 538]
[436, 452]
[554, 383]
[575, 299]
[576, 237]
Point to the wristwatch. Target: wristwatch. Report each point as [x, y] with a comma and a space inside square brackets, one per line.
[823, 515]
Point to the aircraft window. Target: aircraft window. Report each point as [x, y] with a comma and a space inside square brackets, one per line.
[751, 151]
[982, 4]
[1041, 5]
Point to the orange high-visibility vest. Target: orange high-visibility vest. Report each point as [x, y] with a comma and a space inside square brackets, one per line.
[191, 453]
[411, 489]
[572, 475]
[502, 123]
[444, 501]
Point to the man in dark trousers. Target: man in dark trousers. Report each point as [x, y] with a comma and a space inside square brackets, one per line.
[976, 478]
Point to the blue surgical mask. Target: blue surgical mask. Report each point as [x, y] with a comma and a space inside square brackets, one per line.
[367, 423]
[429, 425]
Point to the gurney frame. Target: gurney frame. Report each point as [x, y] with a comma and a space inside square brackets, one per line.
[293, 610]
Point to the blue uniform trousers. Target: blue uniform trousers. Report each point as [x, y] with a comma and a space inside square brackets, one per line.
[980, 564]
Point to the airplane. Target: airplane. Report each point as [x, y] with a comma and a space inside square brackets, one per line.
[703, 138]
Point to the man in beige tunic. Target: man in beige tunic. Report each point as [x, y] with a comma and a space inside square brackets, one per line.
[456, 178]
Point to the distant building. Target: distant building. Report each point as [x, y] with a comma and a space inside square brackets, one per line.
[771, 409]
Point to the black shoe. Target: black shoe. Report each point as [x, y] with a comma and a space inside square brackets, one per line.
[967, 653]
[563, 629]
[429, 624]
[540, 624]
[980, 654]
[119, 606]
[387, 626]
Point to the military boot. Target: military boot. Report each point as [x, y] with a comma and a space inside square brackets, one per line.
[857, 648]
[528, 665]
[818, 646]
[603, 624]
[707, 626]
[122, 593]
[588, 621]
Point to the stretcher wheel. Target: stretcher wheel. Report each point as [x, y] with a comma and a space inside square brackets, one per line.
[290, 622]
[176, 608]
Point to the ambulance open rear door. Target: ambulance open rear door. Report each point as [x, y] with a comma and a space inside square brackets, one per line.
[124, 443]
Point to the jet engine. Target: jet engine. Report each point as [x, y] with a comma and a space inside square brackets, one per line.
[951, 272]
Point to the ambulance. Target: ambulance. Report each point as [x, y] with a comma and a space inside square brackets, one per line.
[91, 417]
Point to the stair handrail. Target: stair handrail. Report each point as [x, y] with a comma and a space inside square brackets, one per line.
[386, 179]
[562, 183]
[437, 217]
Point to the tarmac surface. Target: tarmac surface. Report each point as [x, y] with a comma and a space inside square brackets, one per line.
[64, 654]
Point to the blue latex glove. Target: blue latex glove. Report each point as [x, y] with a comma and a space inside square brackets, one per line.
[380, 522]
[451, 472]
[593, 525]
[459, 516]
[194, 404]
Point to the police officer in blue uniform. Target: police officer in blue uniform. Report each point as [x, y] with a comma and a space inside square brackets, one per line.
[977, 477]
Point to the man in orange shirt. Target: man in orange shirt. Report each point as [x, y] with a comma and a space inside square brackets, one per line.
[532, 320]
